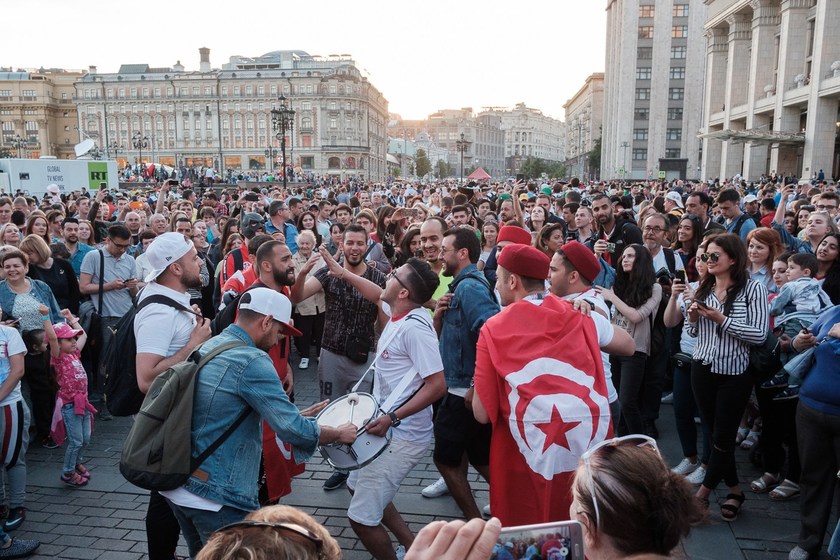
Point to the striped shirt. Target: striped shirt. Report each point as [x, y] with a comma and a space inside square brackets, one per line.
[727, 346]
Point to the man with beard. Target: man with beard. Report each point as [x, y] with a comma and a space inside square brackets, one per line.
[459, 439]
[431, 239]
[611, 230]
[347, 346]
[70, 233]
[166, 335]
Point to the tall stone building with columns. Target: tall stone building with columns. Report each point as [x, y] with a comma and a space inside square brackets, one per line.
[772, 88]
[653, 89]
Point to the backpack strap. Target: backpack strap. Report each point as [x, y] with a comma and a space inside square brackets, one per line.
[197, 461]
[101, 278]
[740, 223]
[163, 300]
[670, 259]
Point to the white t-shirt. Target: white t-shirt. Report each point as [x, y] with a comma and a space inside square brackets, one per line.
[160, 329]
[605, 333]
[11, 344]
[414, 350]
[659, 262]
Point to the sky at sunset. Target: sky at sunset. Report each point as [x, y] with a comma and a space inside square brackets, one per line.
[424, 56]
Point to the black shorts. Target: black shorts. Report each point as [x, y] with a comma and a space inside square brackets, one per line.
[458, 432]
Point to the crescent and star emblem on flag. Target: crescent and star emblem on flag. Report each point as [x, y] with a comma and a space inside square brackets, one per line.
[555, 415]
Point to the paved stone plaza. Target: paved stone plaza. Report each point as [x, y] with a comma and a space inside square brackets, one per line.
[105, 520]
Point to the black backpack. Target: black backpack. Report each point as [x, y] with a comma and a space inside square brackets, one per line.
[122, 394]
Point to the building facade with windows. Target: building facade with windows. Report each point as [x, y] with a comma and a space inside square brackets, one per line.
[530, 133]
[772, 88]
[221, 118]
[483, 133]
[37, 112]
[653, 88]
[584, 122]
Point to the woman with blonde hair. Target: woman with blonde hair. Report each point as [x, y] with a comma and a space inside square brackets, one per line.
[272, 533]
[54, 272]
[10, 235]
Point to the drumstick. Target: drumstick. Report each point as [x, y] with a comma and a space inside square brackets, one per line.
[353, 399]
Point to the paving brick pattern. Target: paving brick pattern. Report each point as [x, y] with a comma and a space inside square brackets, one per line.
[105, 520]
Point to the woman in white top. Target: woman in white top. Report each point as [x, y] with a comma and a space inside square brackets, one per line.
[489, 233]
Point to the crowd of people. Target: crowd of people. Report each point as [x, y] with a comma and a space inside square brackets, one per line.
[512, 327]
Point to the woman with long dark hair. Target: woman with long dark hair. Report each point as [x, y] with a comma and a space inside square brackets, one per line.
[635, 296]
[217, 250]
[408, 247]
[689, 236]
[308, 221]
[729, 315]
[828, 255]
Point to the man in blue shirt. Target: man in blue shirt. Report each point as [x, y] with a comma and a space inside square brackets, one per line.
[737, 222]
[460, 440]
[70, 233]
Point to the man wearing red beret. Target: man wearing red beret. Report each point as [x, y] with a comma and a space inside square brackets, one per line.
[539, 380]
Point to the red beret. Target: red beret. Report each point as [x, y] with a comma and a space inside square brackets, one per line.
[524, 260]
[514, 234]
[583, 259]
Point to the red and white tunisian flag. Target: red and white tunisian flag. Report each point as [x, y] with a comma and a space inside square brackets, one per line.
[540, 377]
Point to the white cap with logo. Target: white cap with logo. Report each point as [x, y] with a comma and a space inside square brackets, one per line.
[164, 250]
[266, 301]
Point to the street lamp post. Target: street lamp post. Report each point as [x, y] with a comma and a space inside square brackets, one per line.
[114, 148]
[270, 154]
[139, 142]
[19, 144]
[462, 145]
[624, 146]
[282, 120]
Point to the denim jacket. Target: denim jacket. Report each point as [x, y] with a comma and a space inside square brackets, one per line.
[42, 293]
[236, 380]
[472, 304]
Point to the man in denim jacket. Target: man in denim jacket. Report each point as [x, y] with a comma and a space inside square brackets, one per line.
[223, 489]
[459, 439]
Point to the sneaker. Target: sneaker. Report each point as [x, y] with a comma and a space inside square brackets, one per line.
[667, 399]
[304, 363]
[486, 511]
[18, 548]
[17, 515]
[335, 481]
[400, 552]
[48, 443]
[686, 467]
[697, 476]
[436, 489]
[73, 479]
[104, 414]
[778, 381]
[792, 392]
[799, 553]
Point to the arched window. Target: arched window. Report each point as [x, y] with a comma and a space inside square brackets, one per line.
[334, 163]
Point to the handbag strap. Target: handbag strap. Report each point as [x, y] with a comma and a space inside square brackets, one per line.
[101, 278]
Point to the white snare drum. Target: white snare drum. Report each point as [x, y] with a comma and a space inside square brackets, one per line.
[358, 408]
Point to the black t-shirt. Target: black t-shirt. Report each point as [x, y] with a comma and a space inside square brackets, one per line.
[348, 312]
[62, 280]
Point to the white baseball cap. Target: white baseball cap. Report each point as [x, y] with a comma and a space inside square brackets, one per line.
[266, 301]
[164, 250]
[750, 198]
[674, 196]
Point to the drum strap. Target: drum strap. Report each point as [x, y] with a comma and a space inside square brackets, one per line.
[383, 346]
[389, 403]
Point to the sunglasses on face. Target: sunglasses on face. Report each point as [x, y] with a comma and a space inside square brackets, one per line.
[710, 257]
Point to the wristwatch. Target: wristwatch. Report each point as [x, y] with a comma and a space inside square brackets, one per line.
[394, 420]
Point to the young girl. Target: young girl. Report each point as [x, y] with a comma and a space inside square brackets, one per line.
[66, 345]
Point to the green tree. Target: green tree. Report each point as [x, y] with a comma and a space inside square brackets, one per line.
[532, 168]
[594, 158]
[442, 169]
[422, 163]
[556, 170]
[5, 153]
[396, 171]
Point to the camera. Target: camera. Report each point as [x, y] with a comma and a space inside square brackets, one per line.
[664, 276]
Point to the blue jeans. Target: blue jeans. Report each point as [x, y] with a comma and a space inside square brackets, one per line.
[14, 428]
[198, 524]
[78, 436]
[685, 409]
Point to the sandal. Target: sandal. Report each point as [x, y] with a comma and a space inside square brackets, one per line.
[729, 512]
[764, 483]
[787, 490]
[750, 440]
[83, 472]
[742, 435]
[74, 479]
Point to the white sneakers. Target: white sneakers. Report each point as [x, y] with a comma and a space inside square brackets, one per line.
[686, 467]
[304, 363]
[697, 476]
[486, 511]
[436, 489]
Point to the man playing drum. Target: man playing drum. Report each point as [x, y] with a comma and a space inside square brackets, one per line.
[408, 347]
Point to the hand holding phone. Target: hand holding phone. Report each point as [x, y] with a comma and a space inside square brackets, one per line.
[562, 539]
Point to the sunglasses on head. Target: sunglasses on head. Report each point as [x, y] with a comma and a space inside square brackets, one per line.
[707, 257]
[292, 528]
[634, 439]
